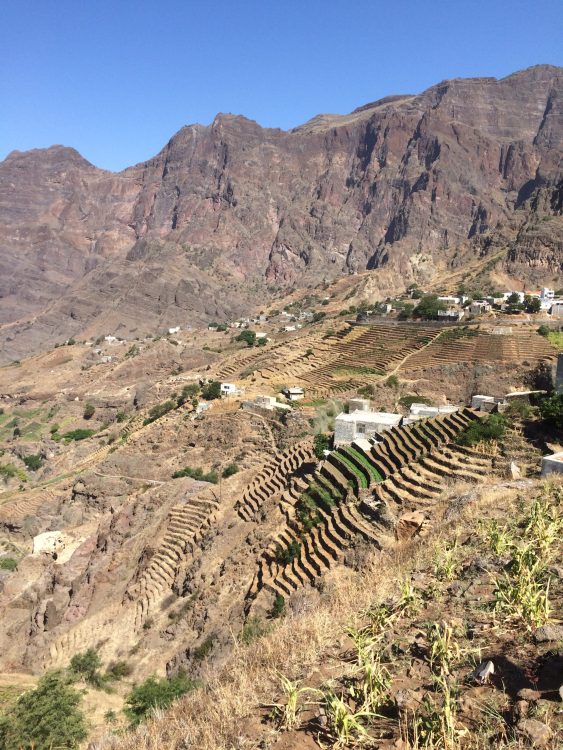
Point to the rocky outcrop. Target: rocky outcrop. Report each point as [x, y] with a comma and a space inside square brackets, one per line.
[407, 185]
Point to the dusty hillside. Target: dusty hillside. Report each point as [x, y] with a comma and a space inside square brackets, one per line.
[411, 187]
[156, 532]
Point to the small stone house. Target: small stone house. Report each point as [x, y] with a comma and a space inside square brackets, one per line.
[363, 424]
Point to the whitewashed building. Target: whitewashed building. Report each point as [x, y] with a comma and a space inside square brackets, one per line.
[363, 424]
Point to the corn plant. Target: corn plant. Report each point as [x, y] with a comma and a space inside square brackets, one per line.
[346, 726]
[445, 563]
[409, 600]
[496, 537]
[434, 726]
[287, 713]
[373, 685]
[444, 649]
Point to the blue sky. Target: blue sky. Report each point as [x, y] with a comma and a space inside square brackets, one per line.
[116, 78]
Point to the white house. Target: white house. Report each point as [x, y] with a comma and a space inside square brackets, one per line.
[419, 411]
[362, 424]
[479, 306]
[229, 389]
[176, 329]
[294, 394]
[557, 309]
[483, 403]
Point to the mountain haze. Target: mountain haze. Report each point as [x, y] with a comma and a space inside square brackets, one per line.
[225, 215]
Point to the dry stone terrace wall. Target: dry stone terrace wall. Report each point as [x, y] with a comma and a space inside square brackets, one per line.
[483, 346]
[186, 523]
[336, 364]
[367, 491]
[274, 478]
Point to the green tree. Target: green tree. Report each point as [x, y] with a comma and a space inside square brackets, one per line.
[551, 410]
[429, 307]
[247, 336]
[212, 390]
[86, 665]
[320, 444]
[46, 718]
[541, 377]
[155, 693]
[532, 304]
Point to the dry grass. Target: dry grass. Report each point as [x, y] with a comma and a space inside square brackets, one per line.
[226, 713]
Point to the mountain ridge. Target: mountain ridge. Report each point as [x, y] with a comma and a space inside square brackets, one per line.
[229, 213]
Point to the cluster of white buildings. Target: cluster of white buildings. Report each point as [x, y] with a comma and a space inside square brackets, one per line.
[360, 422]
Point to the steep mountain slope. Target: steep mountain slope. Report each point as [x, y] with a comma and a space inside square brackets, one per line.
[409, 185]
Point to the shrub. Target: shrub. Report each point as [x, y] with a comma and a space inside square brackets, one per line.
[411, 399]
[544, 330]
[79, 434]
[89, 410]
[229, 470]
[198, 474]
[491, 428]
[204, 649]
[285, 555]
[118, 670]
[45, 718]
[320, 444]
[551, 410]
[189, 391]
[33, 462]
[132, 351]
[8, 563]
[86, 665]
[253, 629]
[519, 407]
[278, 607]
[155, 693]
[158, 411]
[54, 428]
[212, 390]
[121, 416]
[392, 381]
[10, 471]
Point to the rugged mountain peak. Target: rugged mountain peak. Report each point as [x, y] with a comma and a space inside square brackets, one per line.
[407, 186]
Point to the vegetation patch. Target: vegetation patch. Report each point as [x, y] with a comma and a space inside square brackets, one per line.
[364, 461]
[79, 434]
[491, 428]
[155, 693]
[411, 399]
[198, 474]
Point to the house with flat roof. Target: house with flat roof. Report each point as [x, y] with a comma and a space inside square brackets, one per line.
[363, 424]
[229, 389]
[294, 393]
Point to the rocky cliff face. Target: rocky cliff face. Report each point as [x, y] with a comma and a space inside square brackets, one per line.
[407, 186]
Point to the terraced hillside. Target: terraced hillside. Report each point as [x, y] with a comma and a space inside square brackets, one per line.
[368, 492]
[342, 360]
[473, 345]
